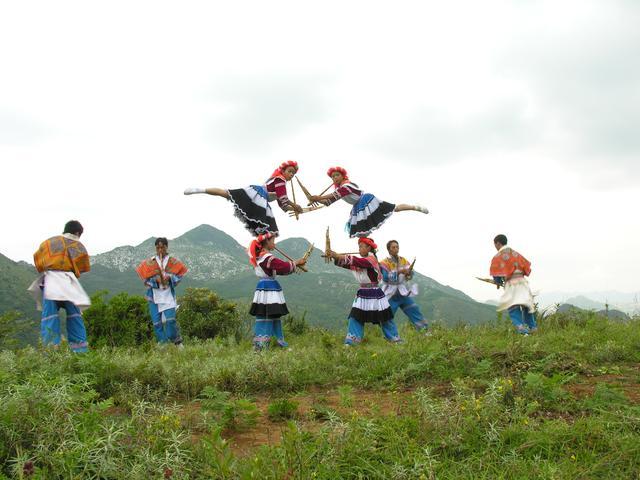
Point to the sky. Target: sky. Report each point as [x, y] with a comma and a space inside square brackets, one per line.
[515, 117]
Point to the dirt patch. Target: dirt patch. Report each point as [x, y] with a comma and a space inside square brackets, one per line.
[587, 386]
[312, 408]
[317, 405]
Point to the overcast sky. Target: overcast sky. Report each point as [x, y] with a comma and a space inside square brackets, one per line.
[516, 117]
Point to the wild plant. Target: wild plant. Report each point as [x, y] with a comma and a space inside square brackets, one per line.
[282, 409]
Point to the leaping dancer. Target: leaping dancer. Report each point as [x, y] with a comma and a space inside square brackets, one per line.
[368, 212]
[251, 204]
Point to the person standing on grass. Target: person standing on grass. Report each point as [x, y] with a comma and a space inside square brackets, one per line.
[371, 304]
[396, 274]
[161, 274]
[268, 300]
[61, 260]
[509, 270]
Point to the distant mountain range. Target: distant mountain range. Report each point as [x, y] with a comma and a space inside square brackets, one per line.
[628, 303]
[218, 262]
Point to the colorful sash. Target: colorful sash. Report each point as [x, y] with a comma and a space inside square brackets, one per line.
[507, 262]
[149, 268]
[63, 254]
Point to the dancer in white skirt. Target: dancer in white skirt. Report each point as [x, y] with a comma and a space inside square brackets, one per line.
[251, 204]
[268, 300]
[60, 260]
[371, 304]
[509, 269]
[368, 212]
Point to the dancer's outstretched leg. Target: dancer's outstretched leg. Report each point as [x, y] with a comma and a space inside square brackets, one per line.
[401, 207]
[219, 192]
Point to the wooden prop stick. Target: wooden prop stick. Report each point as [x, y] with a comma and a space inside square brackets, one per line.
[293, 194]
[308, 194]
[163, 282]
[325, 190]
[327, 246]
[410, 272]
[301, 267]
[307, 210]
[308, 253]
[488, 280]
[304, 190]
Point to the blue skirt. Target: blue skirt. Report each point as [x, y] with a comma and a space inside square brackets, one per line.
[252, 208]
[368, 214]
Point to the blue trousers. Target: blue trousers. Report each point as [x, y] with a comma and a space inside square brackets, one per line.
[522, 319]
[266, 328]
[410, 309]
[50, 325]
[165, 325]
[355, 331]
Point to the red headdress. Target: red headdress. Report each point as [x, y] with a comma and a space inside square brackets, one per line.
[368, 241]
[255, 247]
[339, 169]
[278, 172]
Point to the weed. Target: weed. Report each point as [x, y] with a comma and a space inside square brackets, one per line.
[282, 409]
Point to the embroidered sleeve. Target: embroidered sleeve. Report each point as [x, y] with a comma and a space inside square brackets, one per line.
[340, 192]
[362, 263]
[344, 262]
[274, 264]
[280, 188]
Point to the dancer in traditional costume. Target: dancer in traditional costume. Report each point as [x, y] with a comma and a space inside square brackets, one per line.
[396, 276]
[251, 204]
[60, 261]
[368, 212]
[161, 274]
[371, 304]
[509, 269]
[268, 300]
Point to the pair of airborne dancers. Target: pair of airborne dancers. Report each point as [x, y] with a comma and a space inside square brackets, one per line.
[61, 260]
[372, 304]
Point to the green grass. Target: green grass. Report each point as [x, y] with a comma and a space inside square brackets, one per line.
[476, 402]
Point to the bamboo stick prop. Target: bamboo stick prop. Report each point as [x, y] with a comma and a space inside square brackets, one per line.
[163, 281]
[307, 210]
[308, 253]
[488, 280]
[293, 194]
[410, 273]
[325, 190]
[301, 267]
[304, 190]
[327, 246]
[308, 193]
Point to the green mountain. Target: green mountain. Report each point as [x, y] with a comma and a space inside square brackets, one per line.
[15, 278]
[218, 262]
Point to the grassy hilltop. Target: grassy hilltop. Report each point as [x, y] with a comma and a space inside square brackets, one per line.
[470, 402]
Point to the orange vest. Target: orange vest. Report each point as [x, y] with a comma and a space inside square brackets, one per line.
[149, 268]
[508, 262]
[62, 253]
